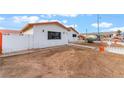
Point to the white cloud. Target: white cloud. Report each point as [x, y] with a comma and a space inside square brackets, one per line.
[2, 18]
[42, 15]
[2, 28]
[30, 19]
[88, 14]
[68, 15]
[117, 28]
[43, 20]
[49, 21]
[33, 19]
[54, 15]
[64, 21]
[113, 29]
[73, 25]
[47, 15]
[102, 25]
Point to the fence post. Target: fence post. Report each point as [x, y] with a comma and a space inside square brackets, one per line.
[0, 43]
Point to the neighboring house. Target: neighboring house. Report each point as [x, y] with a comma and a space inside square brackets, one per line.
[82, 37]
[73, 35]
[113, 35]
[37, 35]
[10, 32]
[6, 32]
[104, 35]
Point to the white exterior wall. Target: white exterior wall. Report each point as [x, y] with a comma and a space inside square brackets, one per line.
[12, 43]
[29, 32]
[71, 38]
[41, 38]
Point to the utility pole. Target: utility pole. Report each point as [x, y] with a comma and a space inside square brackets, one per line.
[86, 31]
[98, 21]
[74, 26]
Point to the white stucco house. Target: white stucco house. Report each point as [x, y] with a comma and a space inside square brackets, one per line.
[72, 35]
[47, 34]
[38, 35]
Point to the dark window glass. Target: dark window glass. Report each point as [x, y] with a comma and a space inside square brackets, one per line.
[54, 35]
[74, 35]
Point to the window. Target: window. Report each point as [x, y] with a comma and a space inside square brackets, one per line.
[74, 35]
[54, 35]
[43, 30]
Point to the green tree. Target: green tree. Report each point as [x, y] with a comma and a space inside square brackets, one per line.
[119, 32]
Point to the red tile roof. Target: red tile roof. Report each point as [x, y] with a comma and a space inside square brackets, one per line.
[9, 31]
[71, 28]
[29, 26]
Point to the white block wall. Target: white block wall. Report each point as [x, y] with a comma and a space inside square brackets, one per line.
[12, 43]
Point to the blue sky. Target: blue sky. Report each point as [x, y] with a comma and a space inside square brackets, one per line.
[108, 22]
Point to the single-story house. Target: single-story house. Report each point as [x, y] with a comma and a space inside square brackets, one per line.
[37, 35]
[72, 34]
[47, 34]
[82, 37]
[10, 32]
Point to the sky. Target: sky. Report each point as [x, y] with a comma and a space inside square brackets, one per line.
[81, 22]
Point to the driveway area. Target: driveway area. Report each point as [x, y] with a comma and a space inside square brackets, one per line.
[63, 61]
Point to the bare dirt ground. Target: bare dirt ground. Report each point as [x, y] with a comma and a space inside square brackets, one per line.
[93, 44]
[64, 61]
[98, 44]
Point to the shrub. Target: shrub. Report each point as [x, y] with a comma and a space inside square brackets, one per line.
[90, 39]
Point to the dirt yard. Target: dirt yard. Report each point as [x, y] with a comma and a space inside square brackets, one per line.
[98, 44]
[65, 61]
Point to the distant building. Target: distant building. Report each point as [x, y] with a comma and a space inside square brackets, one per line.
[10, 32]
[72, 35]
[111, 34]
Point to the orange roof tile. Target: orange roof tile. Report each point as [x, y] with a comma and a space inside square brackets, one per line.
[71, 28]
[29, 26]
[9, 31]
